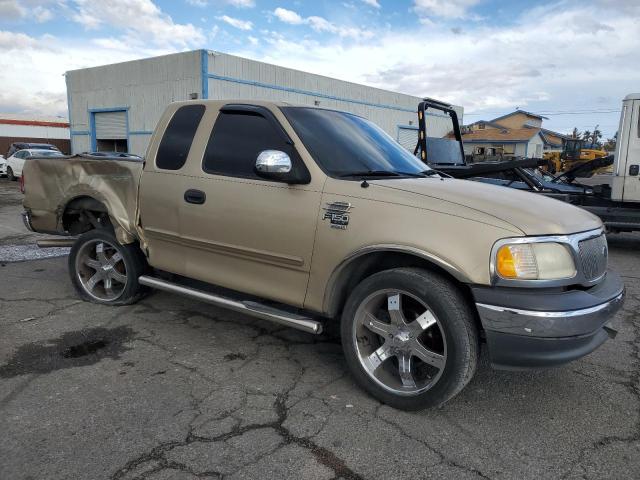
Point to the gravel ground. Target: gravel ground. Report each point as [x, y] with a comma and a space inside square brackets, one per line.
[171, 388]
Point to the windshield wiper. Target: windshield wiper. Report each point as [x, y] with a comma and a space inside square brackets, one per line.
[370, 173]
[381, 173]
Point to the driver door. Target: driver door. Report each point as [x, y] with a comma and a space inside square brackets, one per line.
[245, 232]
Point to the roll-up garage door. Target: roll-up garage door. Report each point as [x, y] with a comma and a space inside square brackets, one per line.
[408, 137]
[111, 125]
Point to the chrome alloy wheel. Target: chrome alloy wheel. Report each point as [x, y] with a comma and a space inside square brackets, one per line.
[399, 341]
[101, 270]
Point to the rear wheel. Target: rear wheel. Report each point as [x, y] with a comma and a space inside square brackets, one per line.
[409, 338]
[10, 175]
[104, 271]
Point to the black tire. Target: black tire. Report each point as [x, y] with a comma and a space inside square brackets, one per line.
[131, 264]
[455, 321]
[10, 176]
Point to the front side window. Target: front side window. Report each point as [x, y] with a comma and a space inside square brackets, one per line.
[237, 139]
[176, 141]
[346, 145]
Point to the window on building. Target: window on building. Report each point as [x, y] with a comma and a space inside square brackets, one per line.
[237, 139]
[481, 126]
[480, 150]
[509, 149]
[176, 141]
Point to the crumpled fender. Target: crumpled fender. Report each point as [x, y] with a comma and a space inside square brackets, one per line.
[51, 183]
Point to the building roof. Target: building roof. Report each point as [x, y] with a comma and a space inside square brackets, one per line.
[487, 122]
[33, 120]
[504, 134]
[534, 115]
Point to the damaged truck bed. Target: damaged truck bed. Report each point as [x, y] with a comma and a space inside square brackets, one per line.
[79, 184]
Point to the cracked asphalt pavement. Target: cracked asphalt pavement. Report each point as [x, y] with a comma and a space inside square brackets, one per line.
[171, 388]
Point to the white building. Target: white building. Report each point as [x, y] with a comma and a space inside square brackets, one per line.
[116, 107]
[33, 129]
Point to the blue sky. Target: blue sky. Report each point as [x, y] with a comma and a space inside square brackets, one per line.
[572, 60]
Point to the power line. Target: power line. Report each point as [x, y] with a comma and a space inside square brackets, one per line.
[553, 113]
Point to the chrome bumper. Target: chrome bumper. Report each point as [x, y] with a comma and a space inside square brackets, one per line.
[532, 329]
[548, 324]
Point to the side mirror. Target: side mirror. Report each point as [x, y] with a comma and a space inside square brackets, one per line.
[274, 164]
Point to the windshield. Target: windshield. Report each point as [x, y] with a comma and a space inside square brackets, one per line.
[46, 153]
[344, 144]
[536, 172]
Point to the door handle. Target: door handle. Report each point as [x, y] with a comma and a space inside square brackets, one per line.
[195, 196]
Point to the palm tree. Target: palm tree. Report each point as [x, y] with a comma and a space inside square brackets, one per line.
[586, 135]
[596, 135]
[576, 133]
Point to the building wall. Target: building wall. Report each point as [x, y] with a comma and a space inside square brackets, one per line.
[144, 87]
[33, 131]
[535, 147]
[235, 77]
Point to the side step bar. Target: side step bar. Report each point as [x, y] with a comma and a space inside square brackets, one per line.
[55, 242]
[254, 309]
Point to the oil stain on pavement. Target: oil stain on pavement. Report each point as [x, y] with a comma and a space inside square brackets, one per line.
[72, 349]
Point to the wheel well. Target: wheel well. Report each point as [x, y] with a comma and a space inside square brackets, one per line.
[83, 214]
[365, 266]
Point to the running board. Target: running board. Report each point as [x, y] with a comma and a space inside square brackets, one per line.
[254, 309]
[55, 242]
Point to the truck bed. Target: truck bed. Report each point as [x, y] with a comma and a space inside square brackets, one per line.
[51, 183]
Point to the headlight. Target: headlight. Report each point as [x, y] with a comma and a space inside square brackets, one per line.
[535, 261]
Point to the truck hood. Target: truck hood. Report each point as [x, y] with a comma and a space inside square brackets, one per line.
[531, 213]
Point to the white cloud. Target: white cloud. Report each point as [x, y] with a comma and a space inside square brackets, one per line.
[372, 3]
[288, 16]
[142, 20]
[242, 3]
[11, 10]
[530, 61]
[236, 22]
[33, 10]
[198, 3]
[320, 24]
[444, 8]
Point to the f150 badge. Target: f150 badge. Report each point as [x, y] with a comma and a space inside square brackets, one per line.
[338, 214]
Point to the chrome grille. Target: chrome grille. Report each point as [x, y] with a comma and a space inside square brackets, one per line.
[593, 255]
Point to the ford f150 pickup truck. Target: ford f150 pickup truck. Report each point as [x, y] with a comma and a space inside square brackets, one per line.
[304, 216]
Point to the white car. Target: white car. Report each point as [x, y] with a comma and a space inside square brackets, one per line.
[3, 166]
[16, 161]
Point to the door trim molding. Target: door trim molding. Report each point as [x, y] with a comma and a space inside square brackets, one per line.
[226, 249]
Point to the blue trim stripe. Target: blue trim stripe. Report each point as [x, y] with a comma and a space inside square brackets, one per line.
[80, 132]
[141, 132]
[204, 71]
[310, 93]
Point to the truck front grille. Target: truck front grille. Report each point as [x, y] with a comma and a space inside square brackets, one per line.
[593, 255]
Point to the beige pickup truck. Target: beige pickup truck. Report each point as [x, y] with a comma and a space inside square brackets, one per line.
[304, 216]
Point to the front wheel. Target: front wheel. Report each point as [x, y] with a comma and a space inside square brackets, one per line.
[10, 176]
[409, 338]
[104, 271]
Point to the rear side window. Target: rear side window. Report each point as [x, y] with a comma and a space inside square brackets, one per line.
[176, 141]
[237, 139]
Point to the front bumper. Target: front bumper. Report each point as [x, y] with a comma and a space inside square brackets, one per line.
[529, 328]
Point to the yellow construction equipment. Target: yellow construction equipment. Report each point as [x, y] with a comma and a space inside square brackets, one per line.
[574, 153]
